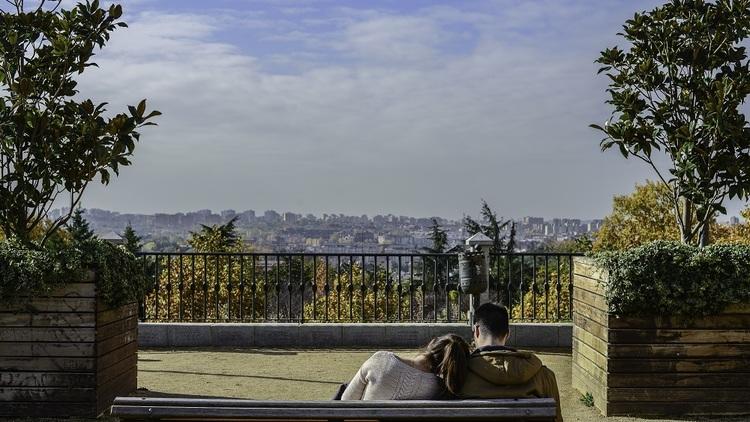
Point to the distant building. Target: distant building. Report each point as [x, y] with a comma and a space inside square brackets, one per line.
[533, 220]
[363, 237]
[594, 225]
[313, 242]
[111, 237]
[247, 216]
[271, 216]
[734, 220]
[290, 217]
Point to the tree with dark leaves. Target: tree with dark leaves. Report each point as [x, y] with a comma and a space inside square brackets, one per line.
[132, 240]
[678, 92]
[216, 238]
[78, 227]
[492, 226]
[53, 141]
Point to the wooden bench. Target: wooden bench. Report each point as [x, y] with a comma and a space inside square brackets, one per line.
[184, 409]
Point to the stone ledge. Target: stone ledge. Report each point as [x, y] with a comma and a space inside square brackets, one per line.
[314, 335]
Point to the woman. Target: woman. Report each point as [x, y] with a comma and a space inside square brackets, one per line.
[439, 370]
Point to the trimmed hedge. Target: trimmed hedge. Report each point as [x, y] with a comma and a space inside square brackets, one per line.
[671, 278]
[26, 273]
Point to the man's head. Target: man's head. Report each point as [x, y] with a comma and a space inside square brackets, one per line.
[490, 325]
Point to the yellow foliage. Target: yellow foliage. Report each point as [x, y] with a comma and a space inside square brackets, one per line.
[212, 287]
[647, 215]
[368, 305]
[740, 233]
[643, 216]
[38, 232]
[540, 298]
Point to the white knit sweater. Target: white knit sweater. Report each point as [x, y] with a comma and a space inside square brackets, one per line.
[386, 377]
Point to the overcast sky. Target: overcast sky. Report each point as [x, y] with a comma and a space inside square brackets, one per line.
[366, 107]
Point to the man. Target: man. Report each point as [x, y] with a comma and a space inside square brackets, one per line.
[498, 371]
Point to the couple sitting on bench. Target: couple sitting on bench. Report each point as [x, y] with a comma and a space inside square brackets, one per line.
[447, 369]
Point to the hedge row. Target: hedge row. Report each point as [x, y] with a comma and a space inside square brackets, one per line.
[26, 273]
[671, 278]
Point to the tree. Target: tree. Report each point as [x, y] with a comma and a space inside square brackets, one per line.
[579, 244]
[439, 238]
[132, 240]
[347, 300]
[640, 217]
[79, 228]
[53, 142]
[433, 267]
[511, 246]
[739, 233]
[216, 238]
[208, 285]
[491, 227]
[679, 90]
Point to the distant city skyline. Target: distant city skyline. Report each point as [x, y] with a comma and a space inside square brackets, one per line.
[260, 212]
[415, 108]
[270, 230]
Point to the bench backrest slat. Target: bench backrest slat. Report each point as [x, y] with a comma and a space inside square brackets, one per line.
[134, 408]
[203, 402]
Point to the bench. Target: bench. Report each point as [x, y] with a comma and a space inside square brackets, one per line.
[184, 409]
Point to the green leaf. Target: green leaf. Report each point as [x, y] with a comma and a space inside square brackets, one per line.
[24, 86]
[115, 11]
[153, 114]
[141, 108]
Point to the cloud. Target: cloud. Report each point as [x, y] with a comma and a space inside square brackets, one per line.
[393, 38]
[364, 111]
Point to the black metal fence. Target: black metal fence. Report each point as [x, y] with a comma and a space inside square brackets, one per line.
[297, 287]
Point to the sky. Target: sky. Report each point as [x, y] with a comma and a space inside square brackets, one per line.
[414, 107]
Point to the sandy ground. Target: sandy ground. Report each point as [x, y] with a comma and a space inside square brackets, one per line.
[299, 375]
[302, 375]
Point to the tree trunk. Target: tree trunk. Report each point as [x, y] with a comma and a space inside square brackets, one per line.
[705, 235]
[687, 219]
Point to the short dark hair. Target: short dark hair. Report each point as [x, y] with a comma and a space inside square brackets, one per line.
[492, 319]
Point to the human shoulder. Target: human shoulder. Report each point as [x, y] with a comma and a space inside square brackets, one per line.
[504, 351]
[383, 355]
[379, 359]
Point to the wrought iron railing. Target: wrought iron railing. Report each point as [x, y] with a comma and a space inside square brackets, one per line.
[301, 287]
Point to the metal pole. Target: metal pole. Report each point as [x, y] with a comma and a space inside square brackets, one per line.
[472, 300]
[484, 297]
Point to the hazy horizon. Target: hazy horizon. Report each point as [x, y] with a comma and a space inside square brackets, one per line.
[259, 213]
[415, 108]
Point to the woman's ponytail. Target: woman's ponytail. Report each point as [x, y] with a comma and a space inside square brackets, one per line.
[450, 360]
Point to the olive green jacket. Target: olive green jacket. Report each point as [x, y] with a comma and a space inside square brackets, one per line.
[509, 374]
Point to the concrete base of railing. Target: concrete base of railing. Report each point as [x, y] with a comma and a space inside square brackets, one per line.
[335, 335]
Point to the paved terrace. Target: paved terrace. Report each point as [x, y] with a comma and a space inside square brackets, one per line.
[302, 374]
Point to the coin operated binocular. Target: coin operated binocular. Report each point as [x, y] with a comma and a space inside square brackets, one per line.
[473, 270]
